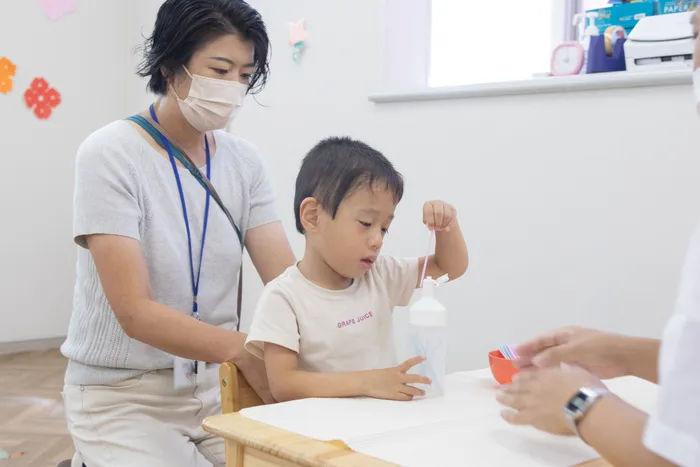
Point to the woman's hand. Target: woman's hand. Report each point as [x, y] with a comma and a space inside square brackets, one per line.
[600, 353]
[394, 383]
[537, 397]
[253, 369]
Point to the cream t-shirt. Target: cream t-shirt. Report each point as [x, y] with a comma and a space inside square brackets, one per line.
[335, 330]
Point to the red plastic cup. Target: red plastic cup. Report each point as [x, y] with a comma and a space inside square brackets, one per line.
[502, 369]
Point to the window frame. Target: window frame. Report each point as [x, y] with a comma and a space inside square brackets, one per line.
[405, 61]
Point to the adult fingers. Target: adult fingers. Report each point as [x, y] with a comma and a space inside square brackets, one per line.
[513, 400]
[530, 349]
[516, 418]
[555, 356]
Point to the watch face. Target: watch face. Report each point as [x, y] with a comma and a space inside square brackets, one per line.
[577, 402]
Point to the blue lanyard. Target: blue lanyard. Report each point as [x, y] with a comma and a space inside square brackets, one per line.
[195, 281]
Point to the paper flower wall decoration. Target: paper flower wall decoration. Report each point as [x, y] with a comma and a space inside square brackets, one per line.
[54, 9]
[42, 98]
[7, 71]
[297, 38]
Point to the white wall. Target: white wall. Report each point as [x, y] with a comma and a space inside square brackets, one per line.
[569, 217]
[82, 56]
[140, 18]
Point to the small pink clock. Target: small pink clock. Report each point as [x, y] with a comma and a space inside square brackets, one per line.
[567, 59]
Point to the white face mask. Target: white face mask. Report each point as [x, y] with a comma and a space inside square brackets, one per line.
[696, 88]
[211, 103]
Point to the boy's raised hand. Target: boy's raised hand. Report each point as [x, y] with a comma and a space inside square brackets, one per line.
[438, 215]
[393, 383]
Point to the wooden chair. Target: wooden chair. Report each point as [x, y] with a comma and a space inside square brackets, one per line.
[236, 392]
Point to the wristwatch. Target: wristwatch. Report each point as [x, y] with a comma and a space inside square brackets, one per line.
[580, 404]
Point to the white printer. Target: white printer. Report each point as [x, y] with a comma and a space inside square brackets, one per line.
[661, 42]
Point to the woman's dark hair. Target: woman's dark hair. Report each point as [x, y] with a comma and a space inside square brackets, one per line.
[184, 26]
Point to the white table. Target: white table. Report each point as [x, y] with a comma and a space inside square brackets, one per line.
[462, 428]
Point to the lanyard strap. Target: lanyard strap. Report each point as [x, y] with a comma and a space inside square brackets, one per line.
[194, 280]
[158, 133]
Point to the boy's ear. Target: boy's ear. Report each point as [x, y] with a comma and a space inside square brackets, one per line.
[309, 213]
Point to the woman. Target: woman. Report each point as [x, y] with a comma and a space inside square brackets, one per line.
[560, 391]
[157, 274]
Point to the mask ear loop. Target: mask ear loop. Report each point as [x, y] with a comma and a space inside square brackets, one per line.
[191, 81]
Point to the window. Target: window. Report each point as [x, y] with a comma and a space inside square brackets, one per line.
[473, 41]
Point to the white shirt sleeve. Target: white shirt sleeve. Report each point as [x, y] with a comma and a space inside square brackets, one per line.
[673, 428]
[274, 322]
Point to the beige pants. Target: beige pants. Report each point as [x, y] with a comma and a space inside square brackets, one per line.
[143, 421]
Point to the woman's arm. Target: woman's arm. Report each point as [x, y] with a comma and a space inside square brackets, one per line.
[269, 250]
[123, 274]
[615, 429]
[642, 357]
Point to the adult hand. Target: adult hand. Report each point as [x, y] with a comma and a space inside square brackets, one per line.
[537, 397]
[600, 353]
[253, 369]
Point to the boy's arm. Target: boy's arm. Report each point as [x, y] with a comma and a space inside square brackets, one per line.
[287, 382]
[451, 256]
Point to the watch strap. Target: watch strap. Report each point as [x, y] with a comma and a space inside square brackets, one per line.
[578, 406]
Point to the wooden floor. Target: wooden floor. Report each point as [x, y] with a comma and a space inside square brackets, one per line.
[31, 409]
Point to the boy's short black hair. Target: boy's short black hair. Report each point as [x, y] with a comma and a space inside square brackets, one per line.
[337, 166]
[184, 26]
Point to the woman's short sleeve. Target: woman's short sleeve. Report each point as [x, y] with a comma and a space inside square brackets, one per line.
[105, 199]
[263, 206]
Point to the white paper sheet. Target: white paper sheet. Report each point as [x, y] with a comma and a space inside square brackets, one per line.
[462, 428]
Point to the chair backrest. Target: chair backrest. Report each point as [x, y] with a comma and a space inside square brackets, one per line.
[236, 393]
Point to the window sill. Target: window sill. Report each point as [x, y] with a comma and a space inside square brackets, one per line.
[544, 85]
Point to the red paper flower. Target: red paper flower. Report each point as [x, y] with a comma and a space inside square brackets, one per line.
[42, 97]
[7, 71]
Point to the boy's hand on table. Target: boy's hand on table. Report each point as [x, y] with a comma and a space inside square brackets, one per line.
[393, 383]
[438, 215]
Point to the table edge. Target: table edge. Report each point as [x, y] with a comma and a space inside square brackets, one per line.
[287, 445]
[295, 447]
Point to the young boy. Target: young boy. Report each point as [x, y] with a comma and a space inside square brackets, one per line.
[324, 326]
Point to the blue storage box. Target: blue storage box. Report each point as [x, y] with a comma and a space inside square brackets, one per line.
[667, 7]
[626, 15]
